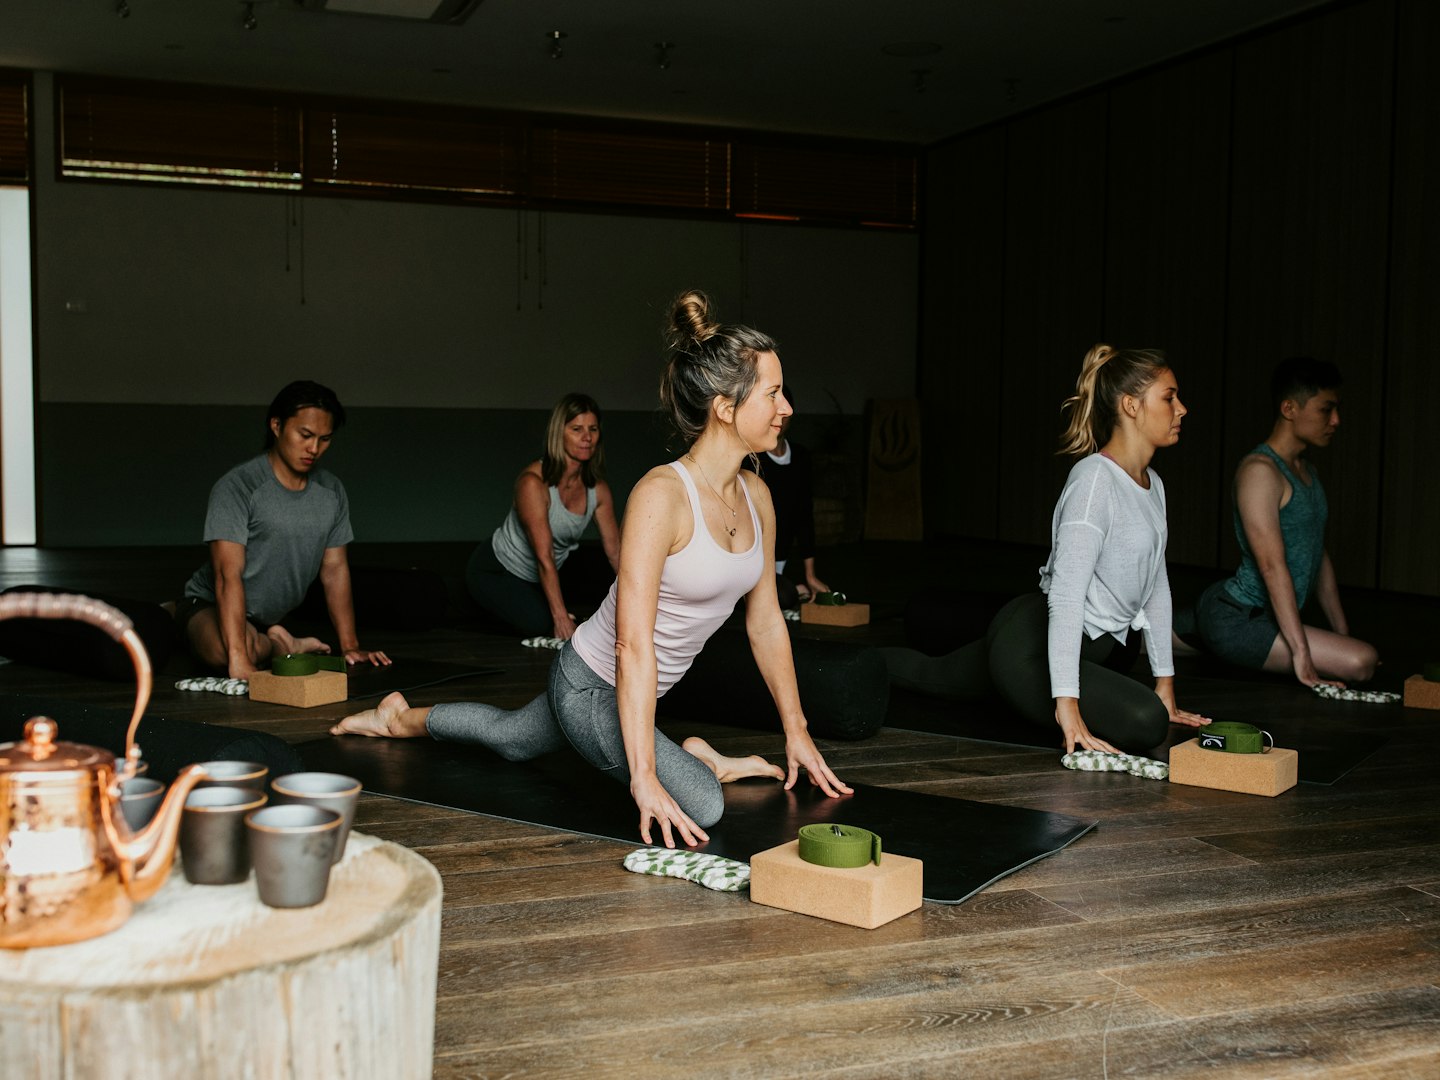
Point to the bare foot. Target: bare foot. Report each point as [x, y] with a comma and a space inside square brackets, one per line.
[286, 644]
[727, 769]
[393, 718]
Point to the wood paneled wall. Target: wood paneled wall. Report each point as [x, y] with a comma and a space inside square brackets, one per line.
[1262, 199]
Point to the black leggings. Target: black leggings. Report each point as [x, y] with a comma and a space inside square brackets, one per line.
[585, 577]
[1013, 661]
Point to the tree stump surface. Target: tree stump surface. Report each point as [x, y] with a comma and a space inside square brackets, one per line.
[206, 982]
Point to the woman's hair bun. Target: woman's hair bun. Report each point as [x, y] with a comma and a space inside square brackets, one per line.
[690, 319]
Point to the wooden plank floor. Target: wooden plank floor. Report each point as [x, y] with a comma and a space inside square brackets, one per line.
[1194, 933]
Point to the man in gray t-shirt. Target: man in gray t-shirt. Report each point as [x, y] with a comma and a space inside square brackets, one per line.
[274, 524]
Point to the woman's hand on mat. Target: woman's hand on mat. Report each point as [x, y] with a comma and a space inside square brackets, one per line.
[801, 753]
[1165, 691]
[358, 655]
[1073, 730]
[1308, 676]
[656, 805]
[1189, 719]
[564, 626]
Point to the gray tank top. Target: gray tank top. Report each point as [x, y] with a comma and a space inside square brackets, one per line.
[512, 546]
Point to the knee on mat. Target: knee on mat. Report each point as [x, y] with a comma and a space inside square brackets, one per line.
[1144, 726]
[708, 809]
[1358, 665]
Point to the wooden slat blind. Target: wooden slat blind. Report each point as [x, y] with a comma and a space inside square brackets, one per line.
[856, 186]
[189, 134]
[14, 129]
[124, 130]
[687, 171]
[353, 146]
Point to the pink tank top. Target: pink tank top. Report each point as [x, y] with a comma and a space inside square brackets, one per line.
[699, 587]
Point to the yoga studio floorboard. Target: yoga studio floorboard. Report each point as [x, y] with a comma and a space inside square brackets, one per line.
[1191, 933]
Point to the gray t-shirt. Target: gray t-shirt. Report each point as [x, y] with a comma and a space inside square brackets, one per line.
[285, 534]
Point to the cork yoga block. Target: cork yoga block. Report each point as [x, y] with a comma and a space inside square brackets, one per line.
[301, 691]
[1421, 693]
[1269, 773]
[865, 896]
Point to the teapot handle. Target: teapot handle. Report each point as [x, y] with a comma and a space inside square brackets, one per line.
[41, 605]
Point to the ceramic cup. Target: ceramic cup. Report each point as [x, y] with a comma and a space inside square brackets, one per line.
[329, 790]
[293, 848]
[250, 774]
[139, 799]
[214, 847]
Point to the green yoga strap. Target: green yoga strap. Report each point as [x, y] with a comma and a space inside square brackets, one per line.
[834, 598]
[1431, 672]
[295, 664]
[305, 664]
[1234, 738]
[838, 845]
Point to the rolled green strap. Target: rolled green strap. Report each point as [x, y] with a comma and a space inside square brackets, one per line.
[295, 664]
[330, 663]
[833, 598]
[842, 846]
[1431, 671]
[1234, 738]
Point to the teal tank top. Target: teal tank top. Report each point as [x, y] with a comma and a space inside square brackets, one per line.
[1302, 527]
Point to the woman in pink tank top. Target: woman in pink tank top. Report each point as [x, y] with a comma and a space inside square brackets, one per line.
[698, 535]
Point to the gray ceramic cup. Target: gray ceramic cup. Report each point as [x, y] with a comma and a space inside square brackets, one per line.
[214, 847]
[330, 790]
[139, 799]
[293, 848]
[249, 774]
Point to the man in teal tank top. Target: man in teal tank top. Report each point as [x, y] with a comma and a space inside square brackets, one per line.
[1253, 619]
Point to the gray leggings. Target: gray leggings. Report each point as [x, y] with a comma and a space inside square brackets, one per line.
[1013, 660]
[579, 707]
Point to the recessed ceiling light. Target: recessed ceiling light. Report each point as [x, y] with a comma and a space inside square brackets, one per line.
[910, 48]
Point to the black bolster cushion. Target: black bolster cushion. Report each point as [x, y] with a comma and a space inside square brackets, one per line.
[844, 687]
[68, 645]
[167, 745]
[941, 620]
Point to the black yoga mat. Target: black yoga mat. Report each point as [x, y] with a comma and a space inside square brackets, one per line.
[406, 674]
[965, 845]
[1328, 748]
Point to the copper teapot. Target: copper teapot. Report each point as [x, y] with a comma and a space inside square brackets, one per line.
[70, 868]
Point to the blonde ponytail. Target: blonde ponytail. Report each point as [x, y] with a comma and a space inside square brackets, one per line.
[1106, 375]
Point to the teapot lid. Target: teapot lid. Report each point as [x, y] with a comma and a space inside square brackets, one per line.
[41, 751]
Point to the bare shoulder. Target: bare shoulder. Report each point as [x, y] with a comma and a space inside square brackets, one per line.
[1258, 472]
[661, 486]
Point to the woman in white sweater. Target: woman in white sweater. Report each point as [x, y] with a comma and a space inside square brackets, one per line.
[1105, 578]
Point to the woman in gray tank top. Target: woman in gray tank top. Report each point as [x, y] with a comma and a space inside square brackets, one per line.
[699, 535]
[516, 574]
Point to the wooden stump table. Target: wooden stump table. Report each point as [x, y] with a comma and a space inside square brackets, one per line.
[205, 982]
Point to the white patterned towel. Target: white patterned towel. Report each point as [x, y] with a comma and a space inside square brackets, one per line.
[214, 684]
[712, 871]
[1374, 697]
[1099, 761]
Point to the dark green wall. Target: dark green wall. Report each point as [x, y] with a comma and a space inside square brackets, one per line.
[122, 475]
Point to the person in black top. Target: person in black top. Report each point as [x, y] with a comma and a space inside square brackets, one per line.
[787, 473]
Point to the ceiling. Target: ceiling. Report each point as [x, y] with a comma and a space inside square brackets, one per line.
[783, 65]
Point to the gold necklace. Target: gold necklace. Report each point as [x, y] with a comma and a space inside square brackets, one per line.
[711, 486]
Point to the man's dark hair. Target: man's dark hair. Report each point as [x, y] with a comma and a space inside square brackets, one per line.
[302, 394]
[1299, 378]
